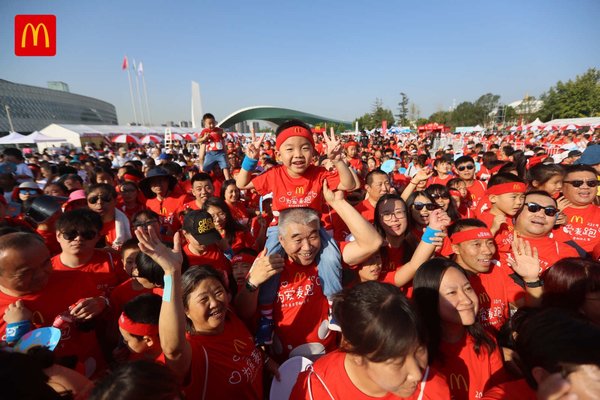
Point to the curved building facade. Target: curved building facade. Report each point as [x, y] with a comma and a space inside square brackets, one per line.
[33, 108]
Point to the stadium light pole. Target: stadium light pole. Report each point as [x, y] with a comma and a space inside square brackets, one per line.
[7, 108]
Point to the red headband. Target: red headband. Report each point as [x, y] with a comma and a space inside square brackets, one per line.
[137, 328]
[243, 257]
[496, 168]
[509, 187]
[294, 131]
[131, 178]
[350, 144]
[454, 192]
[471, 234]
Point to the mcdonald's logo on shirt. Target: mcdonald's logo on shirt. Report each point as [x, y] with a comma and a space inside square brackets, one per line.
[458, 382]
[35, 35]
[239, 346]
[484, 297]
[577, 219]
[299, 190]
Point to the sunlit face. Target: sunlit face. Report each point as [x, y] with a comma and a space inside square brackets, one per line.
[399, 376]
[54, 190]
[458, 301]
[371, 164]
[301, 242]
[25, 270]
[103, 177]
[379, 186]
[583, 195]
[80, 245]
[101, 201]
[73, 184]
[442, 199]
[351, 151]
[129, 256]
[232, 194]
[371, 268]
[508, 203]
[466, 171]
[553, 186]
[462, 188]
[209, 123]
[202, 190]
[128, 193]
[475, 255]
[240, 270]
[536, 224]
[443, 168]
[296, 154]
[421, 217]
[219, 217]
[207, 305]
[393, 218]
[134, 344]
[159, 185]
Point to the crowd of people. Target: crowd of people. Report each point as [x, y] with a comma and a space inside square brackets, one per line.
[399, 270]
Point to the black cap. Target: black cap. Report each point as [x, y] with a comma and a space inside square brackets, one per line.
[154, 173]
[43, 207]
[200, 225]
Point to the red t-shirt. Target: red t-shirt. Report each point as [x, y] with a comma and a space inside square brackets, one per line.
[225, 366]
[439, 181]
[60, 292]
[288, 192]
[167, 210]
[212, 256]
[467, 373]
[50, 240]
[130, 212]
[330, 368]
[518, 389]
[102, 269]
[215, 139]
[504, 236]
[495, 291]
[366, 209]
[549, 250]
[239, 212]
[583, 226]
[356, 164]
[300, 311]
[475, 192]
[125, 292]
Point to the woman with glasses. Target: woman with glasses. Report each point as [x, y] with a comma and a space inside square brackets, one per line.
[441, 195]
[583, 215]
[102, 199]
[399, 261]
[24, 195]
[235, 236]
[129, 199]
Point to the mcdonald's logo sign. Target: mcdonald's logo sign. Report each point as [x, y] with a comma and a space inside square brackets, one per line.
[35, 35]
[577, 219]
[457, 381]
[299, 190]
[484, 298]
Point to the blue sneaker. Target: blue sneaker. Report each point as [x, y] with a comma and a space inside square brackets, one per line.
[264, 333]
[333, 325]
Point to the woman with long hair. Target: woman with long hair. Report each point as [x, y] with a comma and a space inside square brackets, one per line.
[235, 236]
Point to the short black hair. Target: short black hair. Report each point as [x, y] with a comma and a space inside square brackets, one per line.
[208, 116]
[462, 160]
[144, 309]
[79, 219]
[201, 177]
[290, 123]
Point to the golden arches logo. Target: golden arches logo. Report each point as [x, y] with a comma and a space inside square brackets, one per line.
[35, 31]
[484, 297]
[299, 190]
[299, 277]
[239, 345]
[458, 381]
[577, 219]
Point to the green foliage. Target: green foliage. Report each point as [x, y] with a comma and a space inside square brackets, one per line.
[441, 117]
[376, 116]
[403, 110]
[573, 99]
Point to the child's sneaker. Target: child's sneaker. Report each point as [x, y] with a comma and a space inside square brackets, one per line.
[264, 333]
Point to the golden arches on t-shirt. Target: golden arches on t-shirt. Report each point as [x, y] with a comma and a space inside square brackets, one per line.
[37, 319]
[458, 381]
[299, 277]
[483, 298]
[577, 219]
[239, 345]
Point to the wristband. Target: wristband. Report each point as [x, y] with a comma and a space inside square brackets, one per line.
[249, 164]
[168, 288]
[534, 284]
[428, 235]
[250, 286]
[15, 330]
[414, 183]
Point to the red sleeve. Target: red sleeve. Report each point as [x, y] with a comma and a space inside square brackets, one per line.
[332, 177]
[263, 183]
[300, 389]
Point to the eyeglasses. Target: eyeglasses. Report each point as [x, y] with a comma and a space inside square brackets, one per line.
[85, 235]
[436, 196]
[128, 190]
[463, 167]
[399, 214]
[591, 183]
[549, 211]
[105, 199]
[145, 224]
[429, 206]
[30, 192]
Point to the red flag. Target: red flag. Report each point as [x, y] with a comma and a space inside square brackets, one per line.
[125, 63]
[383, 127]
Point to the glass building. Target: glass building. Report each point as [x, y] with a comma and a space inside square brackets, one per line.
[33, 108]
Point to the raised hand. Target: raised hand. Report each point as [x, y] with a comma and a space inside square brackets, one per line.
[525, 260]
[253, 148]
[151, 245]
[334, 146]
[264, 267]
[439, 220]
[562, 202]
[423, 174]
[17, 312]
[331, 195]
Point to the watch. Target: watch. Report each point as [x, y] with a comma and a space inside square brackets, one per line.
[250, 286]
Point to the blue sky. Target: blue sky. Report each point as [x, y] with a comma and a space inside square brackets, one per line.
[331, 58]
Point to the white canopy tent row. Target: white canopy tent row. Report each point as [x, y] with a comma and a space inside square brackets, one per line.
[14, 139]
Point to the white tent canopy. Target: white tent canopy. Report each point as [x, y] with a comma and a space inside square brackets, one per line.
[12, 138]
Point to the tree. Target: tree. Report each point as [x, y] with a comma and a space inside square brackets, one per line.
[403, 110]
[484, 106]
[573, 99]
[414, 112]
[466, 114]
[441, 117]
[377, 115]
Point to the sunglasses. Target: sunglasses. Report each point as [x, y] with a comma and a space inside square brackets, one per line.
[436, 196]
[549, 211]
[591, 183]
[105, 199]
[428, 206]
[463, 167]
[144, 224]
[30, 192]
[85, 235]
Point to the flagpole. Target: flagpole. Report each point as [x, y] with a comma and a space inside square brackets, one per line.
[130, 90]
[137, 85]
[146, 97]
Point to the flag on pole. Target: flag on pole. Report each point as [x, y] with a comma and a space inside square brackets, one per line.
[125, 63]
[134, 66]
[140, 69]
